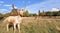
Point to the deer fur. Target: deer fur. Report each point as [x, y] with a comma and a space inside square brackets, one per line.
[14, 20]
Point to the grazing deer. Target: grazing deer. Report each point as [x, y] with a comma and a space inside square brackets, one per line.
[14, 20]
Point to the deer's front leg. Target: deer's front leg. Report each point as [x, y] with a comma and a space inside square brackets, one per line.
[14, 28]
[7, 27]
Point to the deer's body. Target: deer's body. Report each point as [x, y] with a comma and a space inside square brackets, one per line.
[14, 20]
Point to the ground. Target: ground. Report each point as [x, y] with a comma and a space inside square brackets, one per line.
[39, 25]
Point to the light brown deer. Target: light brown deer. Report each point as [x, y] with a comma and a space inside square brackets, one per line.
[14, 20]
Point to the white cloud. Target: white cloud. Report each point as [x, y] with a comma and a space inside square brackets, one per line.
[29, 1]
[23, 1]
[3, 11]
[45, 5]
[55, 9]
[16, 7]
[1, 1]
[0, 4]
[8, 5]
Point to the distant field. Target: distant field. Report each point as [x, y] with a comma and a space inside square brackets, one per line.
[39, 25]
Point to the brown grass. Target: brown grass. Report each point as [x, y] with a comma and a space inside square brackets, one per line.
[39, 25]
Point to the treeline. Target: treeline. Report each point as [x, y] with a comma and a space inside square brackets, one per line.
[4, 15]
[54, 13]
[27, 14]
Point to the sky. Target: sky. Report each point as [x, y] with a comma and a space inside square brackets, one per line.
[31, 5]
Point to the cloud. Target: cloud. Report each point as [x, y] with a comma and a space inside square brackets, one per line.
[29, 2]
[45, 5]
[23, 1]
[8, 5]
[3, 11]
[1, 1]
[55, 9]
[0, 4]
[16, 7]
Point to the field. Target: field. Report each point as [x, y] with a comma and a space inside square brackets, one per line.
[39, 25]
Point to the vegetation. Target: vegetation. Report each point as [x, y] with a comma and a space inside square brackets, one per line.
[27, 14]
[35, 26]
[55, 13]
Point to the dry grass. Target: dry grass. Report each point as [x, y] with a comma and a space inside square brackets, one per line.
[40, 25]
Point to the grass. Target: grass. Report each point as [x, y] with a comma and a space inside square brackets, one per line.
[35, 26]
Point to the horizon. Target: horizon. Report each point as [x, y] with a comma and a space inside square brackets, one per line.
[31, 5]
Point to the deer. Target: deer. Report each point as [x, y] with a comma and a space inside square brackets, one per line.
[14, 21]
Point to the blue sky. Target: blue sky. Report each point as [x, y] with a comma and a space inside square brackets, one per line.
[31, 5]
